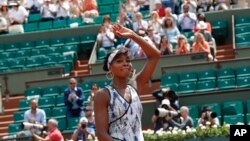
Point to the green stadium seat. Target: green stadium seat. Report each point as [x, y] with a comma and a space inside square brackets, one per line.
[207, 75]
[219, 28]
[46, 102]
[48, 112]
[32, 91]
[18, 117]
[62, 123]
[185, 88]
[168, 79]
[73, 123]
[86, 96]
[59, 112]
[232, 107]
[7, 55]
[75, 20]
[242, 30]
[234, 119]
[145, 14]
[248, 118]
[188, 34]
[242, 21]
[116, 8]
[114, 18]
[34, 62]
[225, 73]
[51, 91]
[30, 27]
[226, 84]
[50, 60]
[37, 53]
[188, 77]
[243, 71]
[63, 88]
[193, 111]
[27, 45]
[14, 128]
[105, 9]
[215, 107]
[86, 87]
[70, 48]
[34, 18]
[106, 2]
[17, 64]
[12, 47]
[243, 82]
[2, 48]
[242, 41]
[204, 86]
[24, 105]
[103, 84]
[74, 40]
[60, 101]
[101, 54]
[45, 25]
[98, 20]
[22, 54]
[68, 67]
[4, 65]
[66, 59]
[42, 43]
[88, 38]
[248, 105]
[57, 42]
[53, 51]
[59, 24]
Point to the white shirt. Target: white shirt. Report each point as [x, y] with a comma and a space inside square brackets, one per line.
[36, 3]
[156, 26]
[19, 15]
[63, 10]
[3, 23]
[143, 25]
[105, 41]
[46, 11]
[187, 22]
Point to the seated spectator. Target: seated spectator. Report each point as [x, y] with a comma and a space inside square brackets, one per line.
[201, 17]
[140, 23]
[62, 10]
[168, 13]
[155, 38]
[170, 30]
[169, 4]
[130, 8]
[3, 26]
[182, 46]
[191, 4]
[33, 115]
[73, 99]
[4, 12]
[204, 5]
[106, 22]
[81, 133]
[143, 5]
[54, 133]
[185, 120]
[124, 20]
[89, 113]
[18, 14]
[207, 115]
[75, 9]
[89, 8]
[48, 11]
[94, 89]
[33, 6]
[165, 47]
[201, 45]
[159, 8]
[155, 22]
[105, 39]
[222, 4]
[187, 19]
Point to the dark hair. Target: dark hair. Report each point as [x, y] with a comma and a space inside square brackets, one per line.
[201, 14]
[165, 25]
[106, 18]
[122, 51]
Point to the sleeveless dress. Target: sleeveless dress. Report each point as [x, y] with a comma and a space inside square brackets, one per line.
[124, 117]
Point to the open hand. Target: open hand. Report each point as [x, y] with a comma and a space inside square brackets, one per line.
[121, 31]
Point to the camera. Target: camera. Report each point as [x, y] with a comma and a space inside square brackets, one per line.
[29, 126]
[162, 112]
[83, 125]
[209, 114]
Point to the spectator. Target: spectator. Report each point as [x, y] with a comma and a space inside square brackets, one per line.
[168, 13]
[155, 38]
[33, 115]
[207, 115]
[159, 8]
[187, 20]
[204, 5]
[89, 8]
[169, 4]
[170, 30]
[124, 20]
[4, 12]
[140, 23]
[106, 22]
[182, 46]
[63, 9]
[3, 26]
[155, 22]
[143, 5]
[91, 119]
[129, 7]
[191, 4]
[185, 119]
[201, 17]
[33, 6]
[165, 47]
[81, 133]
[48, 10]
[105, 39]
[94, 89]
[18, 14]
[222, 4]
[73, 99]
[201, 45]
[75, 9]
[53, 135]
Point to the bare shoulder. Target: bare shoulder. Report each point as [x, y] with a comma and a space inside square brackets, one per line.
[102, 95]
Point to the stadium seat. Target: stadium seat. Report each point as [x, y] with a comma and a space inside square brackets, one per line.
[22, 54]
[248, 105]
[75, 20]
[243, 71]
[207, 75]
[2, 48]
[59, 112]
[27, 45]
[57, 42]
[232, 108]
[114, 18]
[32, 91]
[45, 25]
[70, 48]
[14, 128]
[62, 123]
[34, 18]
[48, 112]
[17, 64]
[65, 59]
[101, 54]
[37, 52]
[68, 67]
[72, 123]
[105, 2]
[51, 91]
[12, 47]
[193, 111]
[243, 82]
[215, 107]
[204, 86]
[248, 118]
[225, 73]
[116, 8]
[74, 40]
[242, 21]
[98, 20]
[219, 28]
[46, 102]
[7, 55]
[188, 77]
[59, 24]
[54, 51]
[185, 88]
[30, 27]
[4, 65]
[226, 84]
[34, 62]
[42, 43]
[50, 60]
[88, 38]
[242, 30]
[60, 101]
[168, 79]
[86, 86]
[18, 117]
[105, 9]
[234, 119]
[24, 105]
[103, 84]
[242, 41]
[63, 88]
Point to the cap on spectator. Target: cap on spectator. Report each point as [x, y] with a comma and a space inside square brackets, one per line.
[157, 2]
[4, 3]
[13, 4]
[83, 120]
[201, 25]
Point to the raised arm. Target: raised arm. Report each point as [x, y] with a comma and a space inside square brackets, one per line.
[152, 53]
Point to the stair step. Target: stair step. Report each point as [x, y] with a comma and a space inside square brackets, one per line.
[9, 111]
[79, 72]
[225, 47]
[6, 117]
[5, 123]
[82, 67]
[3, 134]
[225, 52]
[84, 61]
[225, 57]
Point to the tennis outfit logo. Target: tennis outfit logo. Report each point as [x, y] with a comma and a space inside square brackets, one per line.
[239, 132]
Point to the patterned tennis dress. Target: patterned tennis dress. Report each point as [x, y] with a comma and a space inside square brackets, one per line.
[125, 117]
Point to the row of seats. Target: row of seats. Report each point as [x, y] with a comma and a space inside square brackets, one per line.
[207, 80]
[242, 31]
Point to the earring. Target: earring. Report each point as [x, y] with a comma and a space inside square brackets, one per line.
[109, 75]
